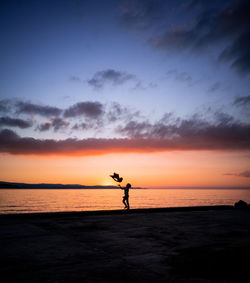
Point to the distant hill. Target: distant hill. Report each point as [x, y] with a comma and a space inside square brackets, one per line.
[10, 185]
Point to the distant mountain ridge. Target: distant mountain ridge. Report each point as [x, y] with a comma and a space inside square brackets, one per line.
[12, 185]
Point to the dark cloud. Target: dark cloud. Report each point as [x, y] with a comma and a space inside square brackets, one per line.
[116, 112]
[245, 174]
[140, 137]
[193, 133]
[242, 101]
[204, 4]
[2, 108]
[239, 53]
[81, 126]
[96, 125]
[56, 123]
[134, 129]
[44, 126]
[142, 14]
[119, 112]
[90, 110]
[109, 76]
[169, 118]
[222, 118]
[43, 110]
[229, 25]
[14, 122]
[140, 86]
[5, 105]
[11, 143]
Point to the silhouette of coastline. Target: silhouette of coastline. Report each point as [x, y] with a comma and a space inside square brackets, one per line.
[13, 185]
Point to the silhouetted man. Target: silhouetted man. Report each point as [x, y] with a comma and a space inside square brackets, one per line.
[126, 195]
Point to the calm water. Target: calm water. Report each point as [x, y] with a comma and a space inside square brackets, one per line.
[37, 200]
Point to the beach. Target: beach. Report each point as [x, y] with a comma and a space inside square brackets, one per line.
[199, 244]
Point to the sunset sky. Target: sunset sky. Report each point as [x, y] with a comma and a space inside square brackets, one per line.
[155, 90]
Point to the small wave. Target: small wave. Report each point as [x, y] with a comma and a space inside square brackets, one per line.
[9, 206]
[17, 210]
[13, 206]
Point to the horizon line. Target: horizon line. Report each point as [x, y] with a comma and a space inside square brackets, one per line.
[141, 187]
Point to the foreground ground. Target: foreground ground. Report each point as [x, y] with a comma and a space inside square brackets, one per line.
[176, 246]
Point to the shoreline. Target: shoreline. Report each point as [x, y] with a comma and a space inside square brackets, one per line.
[115, 212]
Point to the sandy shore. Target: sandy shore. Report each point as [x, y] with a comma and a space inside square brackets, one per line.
[209, 244]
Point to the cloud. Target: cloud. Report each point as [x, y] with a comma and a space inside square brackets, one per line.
[5, 105]
[223, 118]
[134, 129]
[229, 25]
[137, 134]
[2, 108]
[245, 174]
[193, 134]
[116, 112]
[140, 86]
[140, 137]
[119, 112]
[56, 123]
[85, 115]
[141, 14]
[81, 126]
[97, 125]
[242, 101]
[238, 53]
[109, 76]
[43, 110]
[192, 4]
[11, 143]
[59, 123]
[44, 126]
[90, 110]
[15, 122]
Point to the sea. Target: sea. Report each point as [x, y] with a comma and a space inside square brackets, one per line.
[62, 200]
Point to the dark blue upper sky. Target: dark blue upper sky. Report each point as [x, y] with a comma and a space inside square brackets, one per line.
[104, 64]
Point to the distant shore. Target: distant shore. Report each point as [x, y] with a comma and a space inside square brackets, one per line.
[15, 185]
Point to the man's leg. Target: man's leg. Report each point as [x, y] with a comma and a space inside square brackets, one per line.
[127, 203]
[124, 201]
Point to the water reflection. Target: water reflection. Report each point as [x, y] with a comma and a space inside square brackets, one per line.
[19, 200]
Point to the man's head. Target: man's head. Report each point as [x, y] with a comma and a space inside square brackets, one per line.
[128, 186]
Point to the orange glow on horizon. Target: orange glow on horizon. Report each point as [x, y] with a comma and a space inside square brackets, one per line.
[176, 168]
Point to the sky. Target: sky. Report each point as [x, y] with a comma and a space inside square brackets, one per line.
[155, 90]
